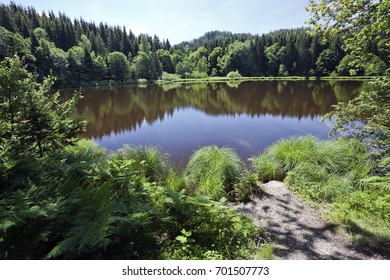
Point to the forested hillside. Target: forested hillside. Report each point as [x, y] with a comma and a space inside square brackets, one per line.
[78, 52]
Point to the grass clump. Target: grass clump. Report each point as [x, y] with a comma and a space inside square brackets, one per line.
[213, 171]
[335, 157]
[265, 168]
[147, 160]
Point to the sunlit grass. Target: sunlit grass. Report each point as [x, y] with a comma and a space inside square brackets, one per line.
[213, 171]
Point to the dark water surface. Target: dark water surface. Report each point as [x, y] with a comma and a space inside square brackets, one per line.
[181, 118]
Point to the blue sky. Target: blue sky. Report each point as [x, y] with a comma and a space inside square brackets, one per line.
[183, 20]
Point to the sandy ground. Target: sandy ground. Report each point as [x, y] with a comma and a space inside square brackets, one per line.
[297, 230]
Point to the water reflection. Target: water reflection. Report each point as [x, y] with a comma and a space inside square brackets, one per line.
[180, 118]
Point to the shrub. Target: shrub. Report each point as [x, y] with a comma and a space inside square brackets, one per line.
[213, 171]
[212, 230]
[245, 187]
[170, 77]
[199, 75]
[234, 75]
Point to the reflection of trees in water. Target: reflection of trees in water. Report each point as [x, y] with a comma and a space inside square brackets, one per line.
[115, 109]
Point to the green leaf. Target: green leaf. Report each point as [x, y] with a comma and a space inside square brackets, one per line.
[181, 239]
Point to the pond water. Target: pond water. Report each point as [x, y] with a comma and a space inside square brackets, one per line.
[179, 119]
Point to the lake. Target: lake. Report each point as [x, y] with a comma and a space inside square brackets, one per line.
[179, 119]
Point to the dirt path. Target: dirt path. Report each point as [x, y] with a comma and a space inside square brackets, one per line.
[297, 230]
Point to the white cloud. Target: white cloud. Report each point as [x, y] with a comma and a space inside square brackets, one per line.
[206, 13]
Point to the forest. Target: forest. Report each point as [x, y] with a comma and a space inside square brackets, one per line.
[78, 52]
[63, 197]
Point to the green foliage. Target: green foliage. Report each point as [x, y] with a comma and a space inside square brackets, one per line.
[170, 77]
[217, 232]
[365, 117]
[375, 67]
[365, 216]
[185, 68]
[282, 52]
[119, 66]
[363, 26]
[34, 120]
[87, 204]
[264, 167]
[213, 171]
[318, 184]
[235, 75]
[335, 157]
[11, 44]
[326, 62]
[147, 160]
[245, 187]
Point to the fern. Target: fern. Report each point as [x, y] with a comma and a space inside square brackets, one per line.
[378, 182]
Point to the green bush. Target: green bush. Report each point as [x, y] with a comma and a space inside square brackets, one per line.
[217, 231]
[245, 187]
[170, 77]
[213, 171]
[198, 75]
[235, 75]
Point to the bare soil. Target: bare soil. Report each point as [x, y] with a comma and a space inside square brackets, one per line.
[296, 229]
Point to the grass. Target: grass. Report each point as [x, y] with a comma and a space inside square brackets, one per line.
[148, 160]
[213, 171]
[337, 156]
[334, 176]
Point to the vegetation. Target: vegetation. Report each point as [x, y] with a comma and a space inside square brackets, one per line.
[335, 177]
[87, 204]
[213, 171]
[363, 27]
[64, 198]
[33, 121]
[77, 52]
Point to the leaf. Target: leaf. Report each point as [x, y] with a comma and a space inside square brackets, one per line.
[181, 239]
[186, 233]
[5, 225]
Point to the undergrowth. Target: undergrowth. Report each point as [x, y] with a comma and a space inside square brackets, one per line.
[336, 176]
[85, 203]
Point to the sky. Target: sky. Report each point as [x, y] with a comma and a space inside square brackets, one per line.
[182, 20]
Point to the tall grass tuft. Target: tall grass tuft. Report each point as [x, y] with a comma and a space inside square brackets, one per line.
[290, 152]
[341, 157]
[148, 160]
[213, 171]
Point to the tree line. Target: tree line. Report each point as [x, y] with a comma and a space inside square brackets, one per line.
[78, 52]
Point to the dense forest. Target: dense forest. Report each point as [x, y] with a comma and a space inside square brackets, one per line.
[78, 52]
